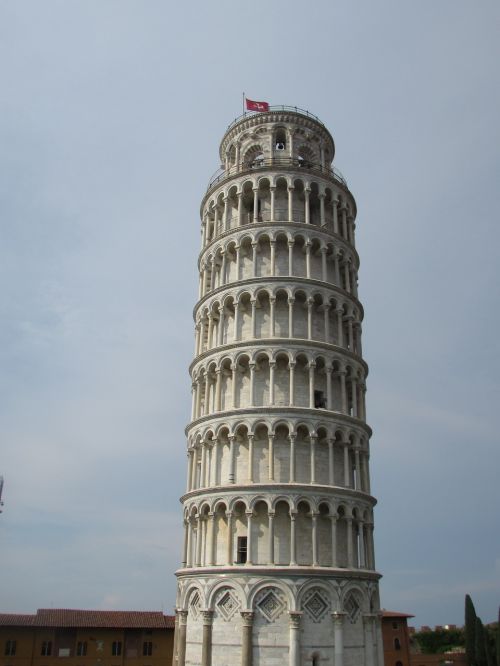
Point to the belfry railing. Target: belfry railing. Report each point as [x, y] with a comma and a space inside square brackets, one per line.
[276, 107]
[277, 163]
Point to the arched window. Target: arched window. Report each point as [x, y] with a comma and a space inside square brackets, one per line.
[258, 160]
[399, 663]
[280, 142]
[315, 660]
[397, 644]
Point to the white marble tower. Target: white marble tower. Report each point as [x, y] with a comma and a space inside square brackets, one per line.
[278, 565]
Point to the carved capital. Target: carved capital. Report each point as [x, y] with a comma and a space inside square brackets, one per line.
[247, 618]
[208, 616]
[338, 618]
[295, 618]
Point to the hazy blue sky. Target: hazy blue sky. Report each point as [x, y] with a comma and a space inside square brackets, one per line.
[111, 112]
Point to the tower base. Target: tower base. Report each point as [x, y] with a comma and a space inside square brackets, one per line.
[272, 618]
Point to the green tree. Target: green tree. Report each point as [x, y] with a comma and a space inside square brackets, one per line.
[480, 658]
[498, 639]
[470, 631]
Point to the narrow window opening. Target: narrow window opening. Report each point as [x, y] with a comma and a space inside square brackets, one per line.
[46, 650]
[81, 649]
[116, 648]
[242, 550]
[397, 644]
[280, 140]
[10, 648]
[319, 400]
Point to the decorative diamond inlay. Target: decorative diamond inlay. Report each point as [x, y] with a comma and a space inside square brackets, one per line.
[271, 606]
[227, 605]
[352, 608]
[194, 605]
[316, 606]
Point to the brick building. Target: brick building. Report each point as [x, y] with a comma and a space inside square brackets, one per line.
[86, 638]
[400, 651]
[396, 638]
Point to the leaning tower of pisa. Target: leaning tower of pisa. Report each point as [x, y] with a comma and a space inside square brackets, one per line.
[278, 563]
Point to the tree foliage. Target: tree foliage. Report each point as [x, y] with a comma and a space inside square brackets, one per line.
[439, 641]
[498, 640]
[470, 631]
[480, 645]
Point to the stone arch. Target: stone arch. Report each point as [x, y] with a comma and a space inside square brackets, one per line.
[253, 156]
[261, 387]
[274, 583]
[262, 313]
[281, 182]
[187, 593]
[354, 591]
[227, 598]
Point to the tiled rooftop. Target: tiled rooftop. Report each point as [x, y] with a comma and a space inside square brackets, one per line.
[67, 617]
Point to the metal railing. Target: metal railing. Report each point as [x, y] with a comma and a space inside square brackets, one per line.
[276, 107]
[277, 163]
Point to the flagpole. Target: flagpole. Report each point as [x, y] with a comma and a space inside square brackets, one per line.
[243, 101]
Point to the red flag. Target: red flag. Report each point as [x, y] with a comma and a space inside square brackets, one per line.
[257, 106]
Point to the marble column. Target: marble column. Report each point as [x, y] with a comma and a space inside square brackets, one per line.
[350, 559]
[181, 642]
[270, 557]
[329, 395]
[272, 317]
[314, 441]
[290, 257]
[292, 458]
[206, 645]
[246, 637]
[254, 258]
[312, 366]
[333, 518]
[291, 301]
[295, 618]
[229, 544]
[361, 545]
[271, 456]
[249, 515]
[380, 641]
[272, 366]
[290, 204]
[293, 545]
[211, 547]
[338, 637]
[314, 520]
[250, 438]
[310, 304]
[176, 637]
[291, 399]
[231, 459]
[331, 462]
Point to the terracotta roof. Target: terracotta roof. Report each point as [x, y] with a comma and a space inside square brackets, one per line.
[15, 620]
[386, 613]
[67, 617]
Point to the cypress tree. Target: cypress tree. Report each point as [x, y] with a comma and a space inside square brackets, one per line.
[490, 658]
[480, 647]
[498, 640]
[470, 631]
